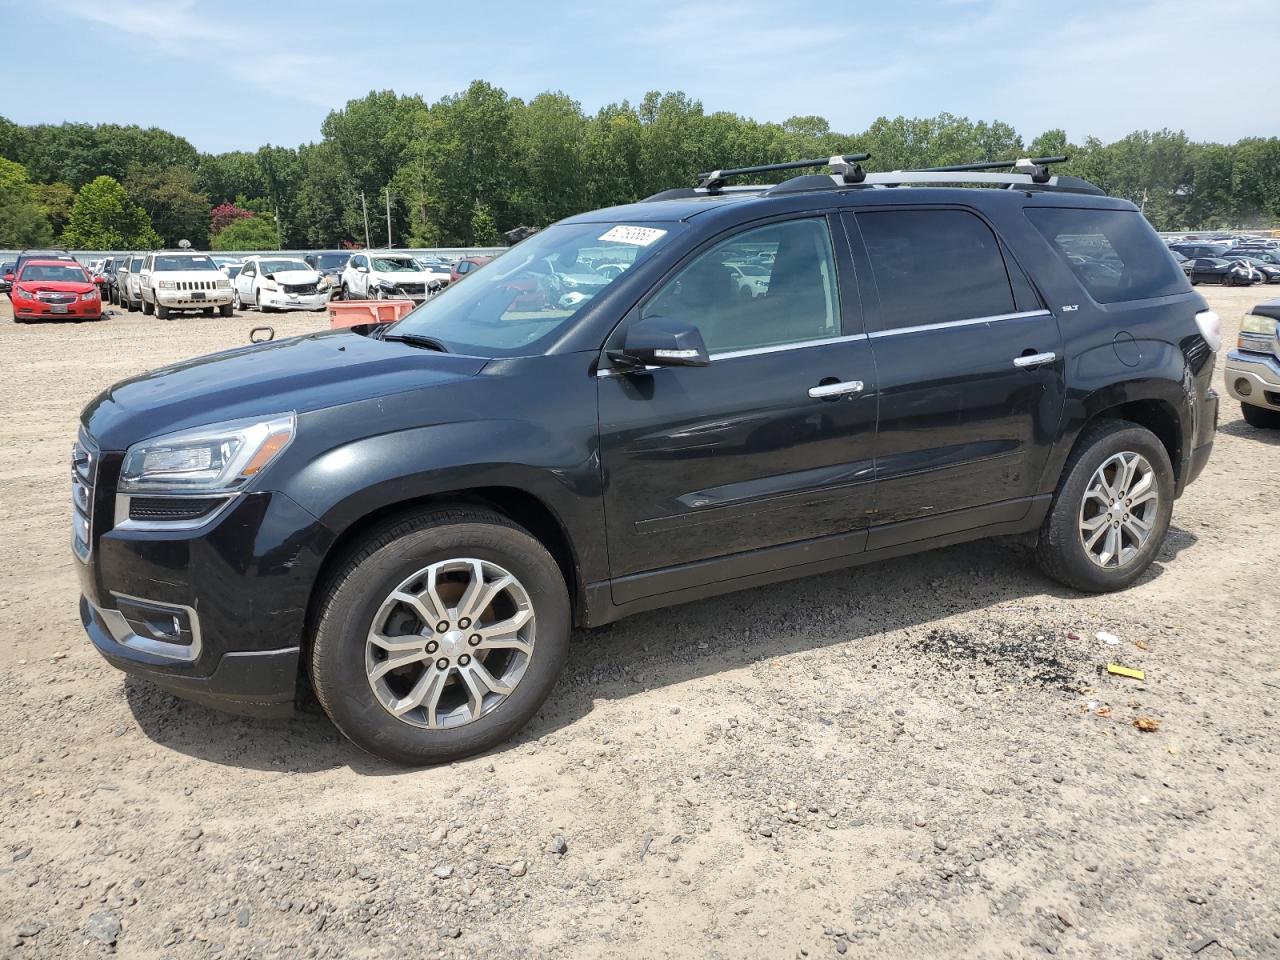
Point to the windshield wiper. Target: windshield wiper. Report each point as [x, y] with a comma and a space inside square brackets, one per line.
[416, 340]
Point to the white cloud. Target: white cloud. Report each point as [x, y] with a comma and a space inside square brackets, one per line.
[179, 27]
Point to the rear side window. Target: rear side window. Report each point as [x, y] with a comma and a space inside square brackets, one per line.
[935, 266]
[1114, 253]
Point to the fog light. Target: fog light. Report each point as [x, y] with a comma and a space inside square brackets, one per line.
[1244, 387]
[157, 621]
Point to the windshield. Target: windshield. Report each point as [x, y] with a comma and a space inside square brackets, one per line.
[185, 263]
[281, 266]
[330, 261]
[395, 264]
[519, 302]
[53, 272]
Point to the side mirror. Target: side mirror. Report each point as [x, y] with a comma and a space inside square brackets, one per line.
[8, 278]
[362, 269]
[660, 342]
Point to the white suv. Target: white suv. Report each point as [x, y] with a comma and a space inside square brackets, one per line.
[184, 281]
[389, 276]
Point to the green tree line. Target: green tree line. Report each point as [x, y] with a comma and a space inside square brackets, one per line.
[473, 165]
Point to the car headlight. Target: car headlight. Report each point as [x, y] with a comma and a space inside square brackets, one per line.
[224, 284]
[91, 295]
[167, 285]
[270, 285]
[325, 282]
[218, 458]
[1253, 323]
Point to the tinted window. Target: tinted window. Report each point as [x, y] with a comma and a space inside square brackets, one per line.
[791, 298]
[1114, 253]
[934, 266]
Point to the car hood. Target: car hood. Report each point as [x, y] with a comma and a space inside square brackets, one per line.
[57, 286]
[293, 276]
[300, 374]
[408, 276]
[187, 275]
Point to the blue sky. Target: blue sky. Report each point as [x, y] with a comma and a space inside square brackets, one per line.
[232, 74]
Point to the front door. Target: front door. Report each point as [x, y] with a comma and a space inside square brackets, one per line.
[244, 282]
[770, 445]
[970, 370]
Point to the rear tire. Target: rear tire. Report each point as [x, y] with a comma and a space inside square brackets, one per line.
[1260, 417]
[360, 600]
[1062, 551]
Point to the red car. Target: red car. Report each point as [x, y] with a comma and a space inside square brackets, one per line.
[54, 290]
[466, 266]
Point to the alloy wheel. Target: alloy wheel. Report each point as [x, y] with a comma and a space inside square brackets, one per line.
[450, 643]
[1119, 509]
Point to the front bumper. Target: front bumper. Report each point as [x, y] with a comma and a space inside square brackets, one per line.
[184, 299]
[237, 587]
[284, 301]
[77, 310]
[1253, 378]
[259, 683]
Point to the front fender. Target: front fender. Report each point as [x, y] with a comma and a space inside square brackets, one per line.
[527, 427]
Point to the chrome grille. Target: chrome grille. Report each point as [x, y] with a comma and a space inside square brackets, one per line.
[49, 296]
[84, 473]
[197, 285]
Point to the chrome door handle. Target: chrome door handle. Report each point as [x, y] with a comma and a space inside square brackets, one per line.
[825, 391]
[1034, 360]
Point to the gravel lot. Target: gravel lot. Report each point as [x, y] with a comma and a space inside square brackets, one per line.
[919, 759]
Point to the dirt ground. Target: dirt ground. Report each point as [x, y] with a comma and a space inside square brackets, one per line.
[923, 758]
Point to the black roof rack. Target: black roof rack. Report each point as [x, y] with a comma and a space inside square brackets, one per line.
[845, 166]
[1026, 174]
[1037, 169]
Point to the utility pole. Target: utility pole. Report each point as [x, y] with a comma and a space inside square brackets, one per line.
[365, 207]
[389, 243]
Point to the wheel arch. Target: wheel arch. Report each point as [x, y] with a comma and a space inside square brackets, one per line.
[1157, 405]
[514, 503]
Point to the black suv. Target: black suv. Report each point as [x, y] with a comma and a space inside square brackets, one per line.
[778, 381]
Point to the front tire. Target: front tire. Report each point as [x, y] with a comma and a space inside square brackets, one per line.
[1260, 416]
[1111, 511]
[226, 310]
[441, 636]
[162, 312]
[147, 308]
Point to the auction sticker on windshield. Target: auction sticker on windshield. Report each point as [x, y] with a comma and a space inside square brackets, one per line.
[637, 236]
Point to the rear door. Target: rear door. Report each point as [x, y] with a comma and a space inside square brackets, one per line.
[768, 446]
[970, 372]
